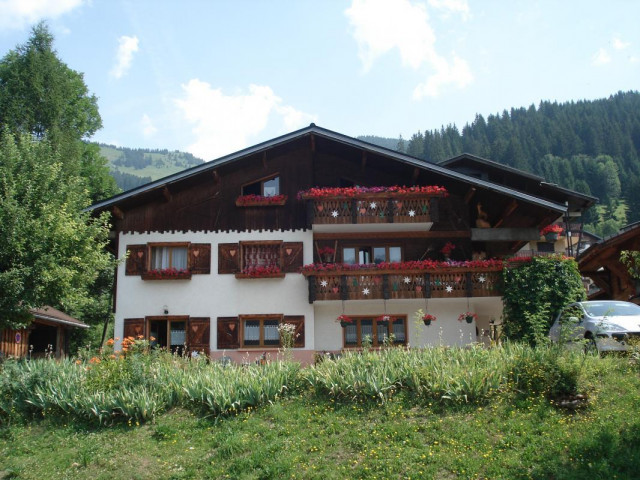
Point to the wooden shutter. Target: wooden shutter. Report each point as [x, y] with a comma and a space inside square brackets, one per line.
[136, 260]
[134, 327]
[228, 258]
[198, 329]
[228, 333]
[291, 257]
[200, 258]
[298, 321]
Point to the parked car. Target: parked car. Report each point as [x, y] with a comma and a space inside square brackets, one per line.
[606, 325]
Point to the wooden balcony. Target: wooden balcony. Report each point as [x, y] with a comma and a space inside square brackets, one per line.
[373, 284]
[373, 208]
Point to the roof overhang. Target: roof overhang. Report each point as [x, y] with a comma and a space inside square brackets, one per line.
[339, 138]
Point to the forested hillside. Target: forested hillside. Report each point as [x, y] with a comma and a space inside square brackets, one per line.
[589, 146]
[132, 167]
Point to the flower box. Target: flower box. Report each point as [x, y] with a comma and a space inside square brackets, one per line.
[260, 201]
[261, 272]
[166, 274]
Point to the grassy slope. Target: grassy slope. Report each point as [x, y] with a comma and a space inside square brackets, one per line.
[307, 437]
[169, 163]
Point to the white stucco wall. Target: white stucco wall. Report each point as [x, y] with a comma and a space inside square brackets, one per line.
[217, 295]
[214, 295]
[446, 330]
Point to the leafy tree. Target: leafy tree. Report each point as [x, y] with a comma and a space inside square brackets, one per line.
[535, 292]
[42, 97]
[50, 252]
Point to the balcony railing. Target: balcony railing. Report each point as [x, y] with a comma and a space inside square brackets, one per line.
[371, 284]
[366, 208]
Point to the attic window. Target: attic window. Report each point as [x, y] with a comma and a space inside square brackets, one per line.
[267, 187]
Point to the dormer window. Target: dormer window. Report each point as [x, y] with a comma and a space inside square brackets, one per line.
[267, 187]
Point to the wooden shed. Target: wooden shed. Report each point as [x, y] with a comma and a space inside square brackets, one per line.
[48, 332]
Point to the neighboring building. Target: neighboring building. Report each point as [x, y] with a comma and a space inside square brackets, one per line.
[48, 334]
[601, 263]
[214, 252]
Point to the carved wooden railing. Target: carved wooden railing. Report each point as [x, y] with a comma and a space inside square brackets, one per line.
[370, 284]
[381, 207]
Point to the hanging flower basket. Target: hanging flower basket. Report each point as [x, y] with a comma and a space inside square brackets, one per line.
[384, 320]
[467, 317]
[327, 254]
[551, 237]
[427, 318]
[344, 320]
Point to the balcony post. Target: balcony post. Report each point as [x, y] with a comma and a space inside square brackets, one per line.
[469, 284]
[391, 211]
[354, 211]
[427, 285]
[385, 287]
[344, 294]
[312, 288]
[311, 207]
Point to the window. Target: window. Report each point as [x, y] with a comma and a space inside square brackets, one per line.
[267, 187]
[260, 330]
[168, 256]
[169, 333]
[261, 256]
[546, 247]
[363, 327]
[368, 254]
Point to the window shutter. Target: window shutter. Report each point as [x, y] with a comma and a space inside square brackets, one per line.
[291, 257]
[198, 334]
[298, 321]
[136, 260]
[228, 333]
[134, 327]
[200, 258]
[228, 258]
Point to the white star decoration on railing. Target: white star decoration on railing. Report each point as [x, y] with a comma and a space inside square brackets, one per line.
[481, 279]
[449, 289]
[334, 214]
[412, 213]
[324, 283]
[407, 280]
[365, 291]
[373, 205]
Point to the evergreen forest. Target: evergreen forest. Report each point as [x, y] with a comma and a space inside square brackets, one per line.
[592, 147]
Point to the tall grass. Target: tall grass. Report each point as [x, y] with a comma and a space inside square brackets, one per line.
[138, 387]
[445, 374]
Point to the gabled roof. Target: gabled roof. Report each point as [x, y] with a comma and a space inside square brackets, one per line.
[336, 137]
[630, 232]
[576, 200]
[53, 315]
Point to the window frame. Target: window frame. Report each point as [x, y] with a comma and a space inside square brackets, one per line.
[171, 245]
[276, 245]
[261, 318]
[370, 247]
[374, 341]
[262, 181]
[169, 319]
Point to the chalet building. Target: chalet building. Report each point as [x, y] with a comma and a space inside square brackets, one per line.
[47, 334]
[601, 263]
[313, 225]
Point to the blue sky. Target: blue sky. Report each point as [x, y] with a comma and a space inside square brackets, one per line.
[212, 77]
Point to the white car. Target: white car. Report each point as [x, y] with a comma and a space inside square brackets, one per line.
[606, 325]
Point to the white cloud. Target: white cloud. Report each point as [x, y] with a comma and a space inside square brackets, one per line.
[449, 7]
[618, 44]
[148, 128]
[600, 58]
[380, 26]
[456, 72]
[225, 123]
[127, 46]
[16, 14]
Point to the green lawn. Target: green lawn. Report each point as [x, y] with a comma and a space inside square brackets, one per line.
[310, 436]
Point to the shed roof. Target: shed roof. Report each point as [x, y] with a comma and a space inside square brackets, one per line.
[53, 315]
